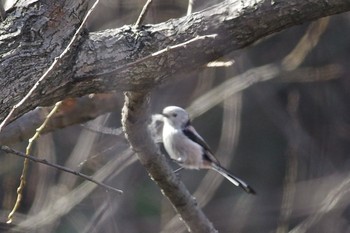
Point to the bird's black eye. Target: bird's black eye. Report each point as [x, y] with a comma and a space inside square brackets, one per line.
[174, 115]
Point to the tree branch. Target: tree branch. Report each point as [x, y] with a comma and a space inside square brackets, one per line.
[135, 116]
[93, 68]
[51, 69]
[59, 167]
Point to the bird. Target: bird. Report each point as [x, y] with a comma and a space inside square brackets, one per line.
[185, 146]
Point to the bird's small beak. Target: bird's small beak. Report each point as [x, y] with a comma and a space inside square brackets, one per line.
[165, 115]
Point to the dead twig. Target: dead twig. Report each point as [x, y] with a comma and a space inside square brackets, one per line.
[143, 13]
[26, 162]
[190, 7]
[59, 167]
[2, 11]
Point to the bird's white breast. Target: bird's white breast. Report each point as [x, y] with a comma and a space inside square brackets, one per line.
[182, 149]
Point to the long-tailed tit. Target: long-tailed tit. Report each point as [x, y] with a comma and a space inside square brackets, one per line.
[187, 147]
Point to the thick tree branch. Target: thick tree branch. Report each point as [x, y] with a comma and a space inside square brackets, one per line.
[135, 116]
[32, 35]
[51, 69]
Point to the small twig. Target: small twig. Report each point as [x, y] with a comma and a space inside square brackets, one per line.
[2, 11]
[142, 14]
[221, 63]
[50, 69]
[181, 45]
[190, 7]
[59, 167]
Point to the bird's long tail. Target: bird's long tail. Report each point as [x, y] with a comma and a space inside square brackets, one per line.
[236, 181]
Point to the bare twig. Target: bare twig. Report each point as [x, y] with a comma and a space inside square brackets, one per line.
[142, 14]
[63, 204]
[59, 167]
[190, 6]
[50, 69]
[26, 162]
[2, 11]
[134, 119]
[220, 63]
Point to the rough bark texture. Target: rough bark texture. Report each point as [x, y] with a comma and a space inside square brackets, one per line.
[34, 33]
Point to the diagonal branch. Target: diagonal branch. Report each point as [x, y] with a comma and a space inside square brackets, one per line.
[135, 116]
[142, 15]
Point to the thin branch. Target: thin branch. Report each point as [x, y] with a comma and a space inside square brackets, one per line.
[142, 14]
[59, 167]
[26, 162]
[64, 204]
[2, 11]
[50, 69]
[221, 63]
[190, 7]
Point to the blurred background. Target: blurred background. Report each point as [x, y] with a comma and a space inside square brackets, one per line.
[278, 117]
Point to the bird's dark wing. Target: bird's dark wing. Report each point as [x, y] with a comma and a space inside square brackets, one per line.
[192, 134]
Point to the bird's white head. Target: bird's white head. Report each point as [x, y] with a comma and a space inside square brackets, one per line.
[175, 116]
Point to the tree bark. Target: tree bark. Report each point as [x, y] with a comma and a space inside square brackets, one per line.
[35, 32]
